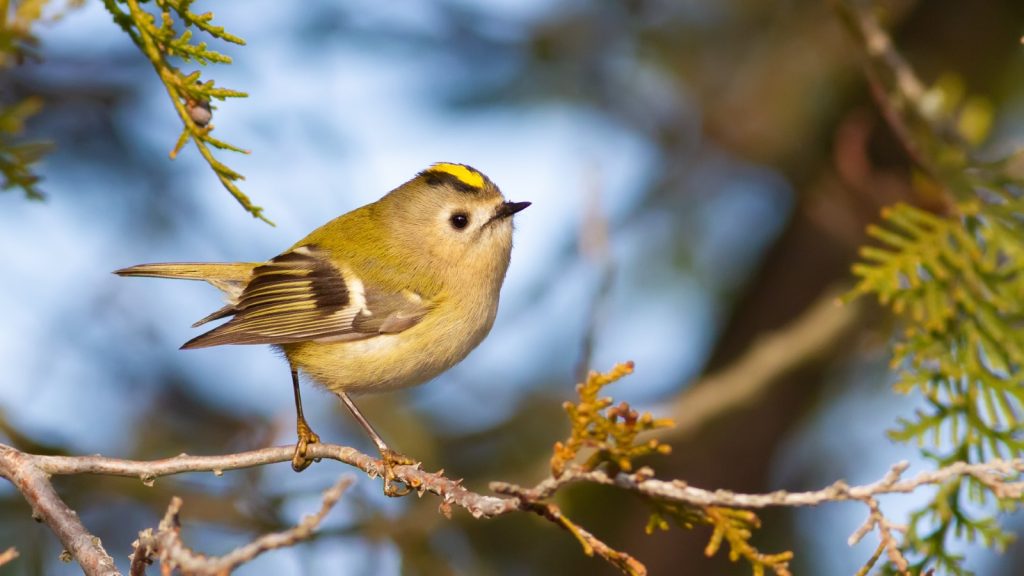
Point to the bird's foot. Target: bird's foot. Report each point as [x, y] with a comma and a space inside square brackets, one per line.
[389, 459]
[301, 459]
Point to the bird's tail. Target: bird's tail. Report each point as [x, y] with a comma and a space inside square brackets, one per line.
[227, 276]
[227, 271]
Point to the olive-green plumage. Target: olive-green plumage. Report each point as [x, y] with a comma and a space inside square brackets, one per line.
[386, 296]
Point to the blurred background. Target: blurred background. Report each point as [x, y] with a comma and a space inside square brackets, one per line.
[701, 175]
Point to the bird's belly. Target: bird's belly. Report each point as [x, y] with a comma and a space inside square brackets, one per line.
[388, 361]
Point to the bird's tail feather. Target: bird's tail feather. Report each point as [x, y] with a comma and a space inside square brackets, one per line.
[209, 271]
[228, 277]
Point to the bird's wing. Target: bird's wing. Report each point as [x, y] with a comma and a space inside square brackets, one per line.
[301, 295]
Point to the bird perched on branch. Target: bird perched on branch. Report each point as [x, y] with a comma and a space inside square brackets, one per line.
[386, 296]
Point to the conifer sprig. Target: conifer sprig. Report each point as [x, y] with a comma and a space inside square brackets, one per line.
[169, 33]
[19, 157]
[955, 279]
[612, 435]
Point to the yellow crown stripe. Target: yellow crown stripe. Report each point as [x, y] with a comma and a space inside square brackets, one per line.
[464, 174]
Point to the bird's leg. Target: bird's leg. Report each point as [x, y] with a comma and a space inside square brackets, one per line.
[389, 457]
[306, 435]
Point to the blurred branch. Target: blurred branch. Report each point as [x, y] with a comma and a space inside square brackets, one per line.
[822, 327]
[166, 542]
[931, 136]
[8, 555]
[23, 441]
[594, 244]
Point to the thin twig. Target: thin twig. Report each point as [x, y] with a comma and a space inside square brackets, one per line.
[595, 244]
[871, 561]
[879, 47]
[591, 544]
[141, 559]
[166, 542]
[900, 95]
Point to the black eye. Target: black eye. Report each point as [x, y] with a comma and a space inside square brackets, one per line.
[459, 220]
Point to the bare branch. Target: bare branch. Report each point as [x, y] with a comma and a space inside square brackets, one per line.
[141, 559]
[48, 507]
[995, 473]
[166, 542]
[1002, 476]
[148, 471]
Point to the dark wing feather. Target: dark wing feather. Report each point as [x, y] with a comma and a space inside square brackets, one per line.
[301, 296]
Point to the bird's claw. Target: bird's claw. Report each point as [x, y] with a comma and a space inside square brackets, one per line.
[390, 459]
[301, 460]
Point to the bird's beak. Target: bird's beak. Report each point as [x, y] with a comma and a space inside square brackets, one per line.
[509, 208]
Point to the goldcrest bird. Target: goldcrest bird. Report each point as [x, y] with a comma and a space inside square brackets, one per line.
[386, 296]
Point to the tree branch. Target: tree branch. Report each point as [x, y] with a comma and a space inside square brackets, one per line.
[166, 542]
[591, 544]
[901, 99]
[148, 471]
[994, 474]
[450, 491]
[47, 506]
[30, 473]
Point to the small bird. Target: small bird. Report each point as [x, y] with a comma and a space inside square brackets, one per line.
[386, 296]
